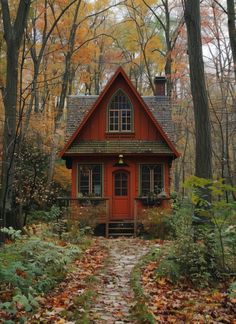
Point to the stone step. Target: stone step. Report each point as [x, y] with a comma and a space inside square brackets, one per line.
[121, 234]
[121, 228]
[121, 224]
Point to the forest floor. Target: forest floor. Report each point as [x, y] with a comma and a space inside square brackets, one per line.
[98, 290]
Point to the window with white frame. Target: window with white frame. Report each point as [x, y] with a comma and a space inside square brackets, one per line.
[151, 178]
[90, 180]
[120, 113]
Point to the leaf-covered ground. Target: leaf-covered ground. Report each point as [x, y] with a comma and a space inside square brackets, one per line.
[68, 302]
[183, 304]
[98, 290]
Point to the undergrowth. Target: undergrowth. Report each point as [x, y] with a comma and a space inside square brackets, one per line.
[203, 251]
[29, 268]
[140, 311]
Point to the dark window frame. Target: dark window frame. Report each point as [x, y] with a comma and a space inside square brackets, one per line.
[150, 181]
[88, 188]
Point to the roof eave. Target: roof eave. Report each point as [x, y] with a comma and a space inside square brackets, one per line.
[73, 154]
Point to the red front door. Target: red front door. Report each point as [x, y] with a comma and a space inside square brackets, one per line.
[121, 196]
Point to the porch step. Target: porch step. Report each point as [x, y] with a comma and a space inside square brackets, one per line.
[121, 228]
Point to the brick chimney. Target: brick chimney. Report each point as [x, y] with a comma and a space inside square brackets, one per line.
[160, 86]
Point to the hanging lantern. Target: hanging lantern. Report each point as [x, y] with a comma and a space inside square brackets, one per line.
[120, 162]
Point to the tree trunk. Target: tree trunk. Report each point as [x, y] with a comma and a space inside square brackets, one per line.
[13, 34]
[232, 30]
[9, 134]
[63, 94]
[168, 65]
[203, 163]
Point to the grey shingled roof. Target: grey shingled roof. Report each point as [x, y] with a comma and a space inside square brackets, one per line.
[161, 110]
[79, 106]
[119, 146]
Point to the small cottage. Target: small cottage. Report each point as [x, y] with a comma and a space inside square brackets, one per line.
[120, 151]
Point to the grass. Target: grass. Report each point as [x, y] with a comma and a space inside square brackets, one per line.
[81, 307]
[140, 311]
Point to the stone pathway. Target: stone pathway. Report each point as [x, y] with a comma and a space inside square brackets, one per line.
[115, 296]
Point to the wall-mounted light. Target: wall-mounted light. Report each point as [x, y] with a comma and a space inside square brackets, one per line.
[120, 162]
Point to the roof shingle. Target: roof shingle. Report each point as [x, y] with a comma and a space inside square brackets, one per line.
[119, 146]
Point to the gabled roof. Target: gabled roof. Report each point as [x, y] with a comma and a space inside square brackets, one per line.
[99, 99]
[79, 105]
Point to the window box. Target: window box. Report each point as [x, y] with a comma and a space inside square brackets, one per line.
[90, 201]
[152, 199]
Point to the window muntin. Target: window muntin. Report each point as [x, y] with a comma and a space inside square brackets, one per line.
[90, 180]
[151, 178]
[120, 113]
[121, 183]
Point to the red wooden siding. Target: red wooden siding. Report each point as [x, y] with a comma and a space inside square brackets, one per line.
[96, 126]
[109, 169]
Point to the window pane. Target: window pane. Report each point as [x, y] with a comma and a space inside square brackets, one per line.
[96, 174]
[83, 185]
[113, 120]
[90, 179]
[158, 178]
[145, 180]
[121, 184]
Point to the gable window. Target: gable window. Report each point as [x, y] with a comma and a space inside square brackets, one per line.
[90, 180]
[151, 178]
[120, 113]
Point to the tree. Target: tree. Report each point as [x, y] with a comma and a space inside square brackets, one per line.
[138, 38]
[232, 30]
[231, 14]
[203, 150]
[13, 34]
[170, 24]
[220, 93]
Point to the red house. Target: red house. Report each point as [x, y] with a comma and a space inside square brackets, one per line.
[119, 150]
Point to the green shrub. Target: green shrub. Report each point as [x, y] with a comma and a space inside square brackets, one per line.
[77, 234]
[11, 232]
[169, 268]
[30, 267]
[156, 222]
[181, 222]
[88, 214]
[232, 290]
[44, 216]
[204, 247]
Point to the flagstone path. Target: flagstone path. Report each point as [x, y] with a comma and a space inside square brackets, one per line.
[109, 262]
[114, 294]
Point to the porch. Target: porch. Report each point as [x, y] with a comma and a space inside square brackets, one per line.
[96, 211]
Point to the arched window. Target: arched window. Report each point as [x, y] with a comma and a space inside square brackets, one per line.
[120, 113]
